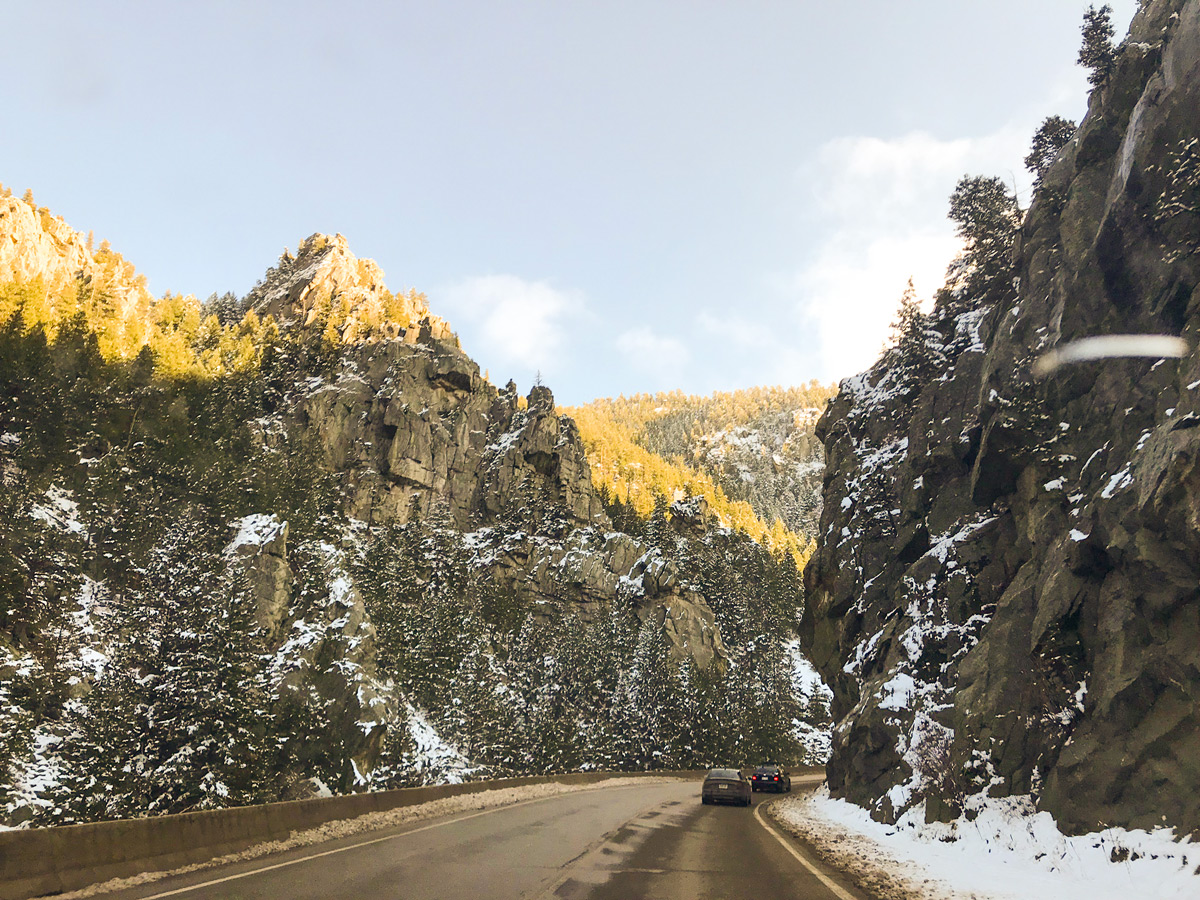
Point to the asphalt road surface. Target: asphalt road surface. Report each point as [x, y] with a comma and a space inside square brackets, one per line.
[652, 841]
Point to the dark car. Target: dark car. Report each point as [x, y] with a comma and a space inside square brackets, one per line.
[725, 786]
[771, 778]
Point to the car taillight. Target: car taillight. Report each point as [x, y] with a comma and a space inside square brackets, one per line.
[776, 777]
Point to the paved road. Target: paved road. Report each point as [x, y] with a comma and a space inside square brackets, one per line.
[653, 841]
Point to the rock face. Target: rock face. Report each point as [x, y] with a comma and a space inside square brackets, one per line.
[260, 550]
[36, 246]
[1005, 595]
[412, 425]
[408, 419]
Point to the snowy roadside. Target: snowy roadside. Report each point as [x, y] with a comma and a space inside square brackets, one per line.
[1007, 852]
[370, 822]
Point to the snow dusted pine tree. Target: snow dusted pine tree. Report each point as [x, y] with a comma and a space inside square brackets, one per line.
[987, 218]
[1052, 135]
[1097, 52]
[648, 716]
[175, 723]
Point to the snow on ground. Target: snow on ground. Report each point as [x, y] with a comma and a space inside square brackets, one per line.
[816, 742]
[1008, 852]
[436, 760]
[35, 774]
[60, 511]
[255, 530]
[372, 821]
[805, 678]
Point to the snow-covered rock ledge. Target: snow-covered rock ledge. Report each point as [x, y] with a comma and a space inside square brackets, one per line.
[1006, 852]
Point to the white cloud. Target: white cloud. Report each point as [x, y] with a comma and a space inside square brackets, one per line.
[881, 206]
[516, 322]
[661, 356]
[754, 349]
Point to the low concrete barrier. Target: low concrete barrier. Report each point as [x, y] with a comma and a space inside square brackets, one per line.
[39, 861]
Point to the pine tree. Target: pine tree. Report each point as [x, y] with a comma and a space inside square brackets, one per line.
[769, 704]
[984, 210]
[657, 531]
[1097, 52]
[648, 706]
[987, 218]
[909, 323]
[911, 338]
[480, 710]
[175, 723]
[1054, 133]
[394, 767]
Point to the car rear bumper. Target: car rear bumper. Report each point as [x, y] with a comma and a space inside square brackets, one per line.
[732, 798]
[726, 797]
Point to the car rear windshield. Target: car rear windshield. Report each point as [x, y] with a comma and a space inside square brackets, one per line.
[725, 773]
[767, 770]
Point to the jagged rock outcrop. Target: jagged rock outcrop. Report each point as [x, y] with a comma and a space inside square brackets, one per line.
[598, 567]
[323, 284]
[260, 549]
[411, 425]
[1005, 594]
[36, 246]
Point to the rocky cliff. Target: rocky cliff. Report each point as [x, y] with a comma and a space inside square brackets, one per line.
[324, 285]
[1005, 595]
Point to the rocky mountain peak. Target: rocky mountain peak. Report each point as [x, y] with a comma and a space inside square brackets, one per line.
[324, 285]
[37, 245]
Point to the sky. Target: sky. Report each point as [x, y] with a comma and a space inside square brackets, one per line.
[619, 196]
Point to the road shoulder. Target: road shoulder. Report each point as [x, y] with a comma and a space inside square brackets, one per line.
[853, 873]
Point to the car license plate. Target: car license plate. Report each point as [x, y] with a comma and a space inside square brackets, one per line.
[723, 787]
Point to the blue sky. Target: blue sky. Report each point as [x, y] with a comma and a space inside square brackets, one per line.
[624, 196]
